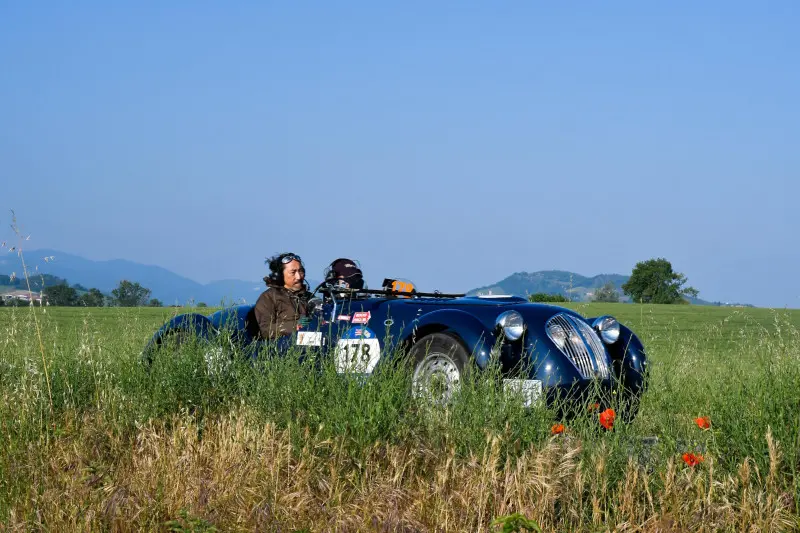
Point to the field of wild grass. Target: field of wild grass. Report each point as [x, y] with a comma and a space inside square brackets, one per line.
[91, 441]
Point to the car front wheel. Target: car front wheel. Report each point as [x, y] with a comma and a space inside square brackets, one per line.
[439, 363]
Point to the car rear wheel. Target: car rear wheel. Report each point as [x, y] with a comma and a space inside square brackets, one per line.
[439, 363]
[215, 356]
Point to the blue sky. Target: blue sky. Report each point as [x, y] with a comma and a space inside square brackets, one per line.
[452, 144]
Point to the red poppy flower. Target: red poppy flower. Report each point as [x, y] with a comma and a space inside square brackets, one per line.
[594, 407]
[703, 422]
[607, 418]
[557, 429]
[692, 459]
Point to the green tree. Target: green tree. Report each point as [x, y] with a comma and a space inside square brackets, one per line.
[130, 294]
[93, 298]
[61, 295]
[606, 293]
[654, 281]
[155, 302]
[543, 297]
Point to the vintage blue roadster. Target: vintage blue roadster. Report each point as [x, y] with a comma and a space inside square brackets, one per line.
[544, 351]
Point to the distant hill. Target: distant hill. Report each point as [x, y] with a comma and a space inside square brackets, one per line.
[574, 286]
[165, 285]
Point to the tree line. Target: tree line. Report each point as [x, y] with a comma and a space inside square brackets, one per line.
[37, 282]
[56, 291]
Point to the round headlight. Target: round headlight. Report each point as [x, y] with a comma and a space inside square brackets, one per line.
[512, 324]
[558, 334]
[608, 328]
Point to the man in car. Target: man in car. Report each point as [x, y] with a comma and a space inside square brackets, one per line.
[345, 273]
[283, 308]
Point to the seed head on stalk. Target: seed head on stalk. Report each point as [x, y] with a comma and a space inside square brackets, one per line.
[18, 249]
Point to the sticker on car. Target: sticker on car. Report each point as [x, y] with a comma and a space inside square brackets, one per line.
[361, 317]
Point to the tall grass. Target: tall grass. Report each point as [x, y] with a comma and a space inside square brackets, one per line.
[285, 443]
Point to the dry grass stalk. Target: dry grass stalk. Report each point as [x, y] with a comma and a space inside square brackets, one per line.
[15, 227]
[239, 475]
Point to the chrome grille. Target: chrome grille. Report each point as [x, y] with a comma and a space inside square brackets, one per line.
[596, 345]
[582, 346]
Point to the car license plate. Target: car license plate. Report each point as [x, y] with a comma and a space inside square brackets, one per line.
[530, 389]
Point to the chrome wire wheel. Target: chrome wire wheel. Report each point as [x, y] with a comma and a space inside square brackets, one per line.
[215, 358]
[436, 378]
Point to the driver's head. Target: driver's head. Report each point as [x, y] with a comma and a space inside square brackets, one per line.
[287, 270]
[344, 272]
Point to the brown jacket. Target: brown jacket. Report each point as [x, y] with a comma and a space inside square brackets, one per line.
[278, 310]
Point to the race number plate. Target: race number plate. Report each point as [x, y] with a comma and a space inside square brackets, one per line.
[357, 351]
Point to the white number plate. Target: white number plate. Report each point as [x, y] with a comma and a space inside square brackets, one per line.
[531, 389]
[357, 355]
[309, 338]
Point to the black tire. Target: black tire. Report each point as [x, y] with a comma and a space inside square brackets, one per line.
[630, 388]
[170, 340]
[213, 353]
[439, 361]
[629, 403]
[176, 338]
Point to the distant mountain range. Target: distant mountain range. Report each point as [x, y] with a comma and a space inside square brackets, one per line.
[165, 285]
[172, 288]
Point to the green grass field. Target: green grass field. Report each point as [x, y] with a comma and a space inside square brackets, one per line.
[90, 441]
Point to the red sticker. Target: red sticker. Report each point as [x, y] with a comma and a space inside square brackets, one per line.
[361, 317]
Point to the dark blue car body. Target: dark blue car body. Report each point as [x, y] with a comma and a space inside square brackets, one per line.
[390, 321]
